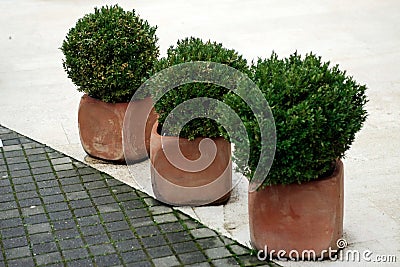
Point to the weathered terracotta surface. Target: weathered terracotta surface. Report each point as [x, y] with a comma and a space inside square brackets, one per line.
[299, 217]
[100, 128]
[175, 186]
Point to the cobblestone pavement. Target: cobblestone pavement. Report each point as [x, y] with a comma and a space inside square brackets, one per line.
[56, 211]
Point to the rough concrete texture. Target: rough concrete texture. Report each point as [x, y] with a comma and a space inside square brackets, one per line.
[38, 100]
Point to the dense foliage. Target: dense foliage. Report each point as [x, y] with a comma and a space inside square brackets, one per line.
[317, 111]
[190, 50]
[109, 53]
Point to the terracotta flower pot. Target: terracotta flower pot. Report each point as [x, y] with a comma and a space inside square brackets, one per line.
[100, 128]
[299, 217]
[194, 185]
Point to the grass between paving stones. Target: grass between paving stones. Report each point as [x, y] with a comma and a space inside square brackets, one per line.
[159, 232]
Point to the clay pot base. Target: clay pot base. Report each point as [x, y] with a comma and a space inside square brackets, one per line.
[298, 217]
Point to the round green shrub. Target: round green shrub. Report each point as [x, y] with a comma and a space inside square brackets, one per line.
[317, 111]
[109, 53]
[190, 50]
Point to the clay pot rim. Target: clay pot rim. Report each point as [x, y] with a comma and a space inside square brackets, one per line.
[155, 132]
[85, 95]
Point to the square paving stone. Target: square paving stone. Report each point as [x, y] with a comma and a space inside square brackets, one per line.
[166, 261]
[143, 221]
[26, 262]
[39, 228]
[212, 242]
[44, 248]
[164, 218]
[6, 190]
[127, 196]
[19, 252]
[97, 239]
[20, 173]
[13, 232]
[18, 166]
[52, 207]
[34, 219]
[77, 195]
[159, 252]
[24, 203]
[202, 233]
[89, 220]
[178, 237]
[138, 214]
[148, 230]
[84, 212]
[107, 260]
[154, 241]
[47, 184]
[15, 242]
[73, 188]
[102, 249]
[81, 263]
[82, 203]
[60, 215]
[42, 170]
[99, 192]
[111, 207]
[200, 264]
[94, 184]
[103, 200]
[8, 214]
[16, 160]
[121, 235]
[64, 224]
[8, 205]
[44, 177]
[38, 157]
[184, 247]
[132, 204]
[67, 174]
[64, 160]
[117, 226]
[10, 223]
[48, 258]
[71, 243]
[23, 187]
[87, 170]
[90, 230]
[11, 147]
[49, 191]
[40, 164]
[53, 199]
[113, 216]
[77, 253]
[171, 227]
[239, 250]
[192, 257]
[35, 151]
[128, 245]
[63, 167]
[6, 198]
[70, 180]
[133, 256]
[227, 262]
[217, 253]
[66, 234]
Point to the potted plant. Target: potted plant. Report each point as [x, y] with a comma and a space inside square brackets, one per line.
[317, 111]
[172, 179]
[108, 54]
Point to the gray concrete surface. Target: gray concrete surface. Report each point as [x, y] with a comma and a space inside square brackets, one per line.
[38, 100]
